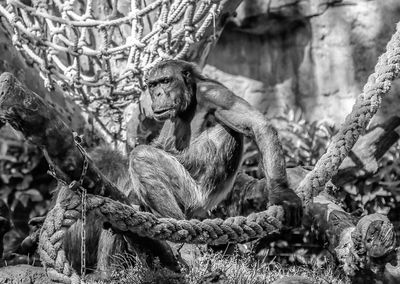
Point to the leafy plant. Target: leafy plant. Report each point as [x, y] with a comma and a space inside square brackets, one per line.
[303, 141]
[24, 184]
[379, 192]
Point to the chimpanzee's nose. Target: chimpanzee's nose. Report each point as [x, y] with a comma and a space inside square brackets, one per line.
[158, 93]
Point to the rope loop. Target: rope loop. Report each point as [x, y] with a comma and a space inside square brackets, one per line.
[75, 50]
[70, 72]
[16, 40]
[133, 14]
[134, 41]
[77, 83]
[164, 26]
[67, 6]
[15, 19]
[104, 54]
[130, 68]
[189, 28]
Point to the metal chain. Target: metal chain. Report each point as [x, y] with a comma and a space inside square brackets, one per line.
[76, 186]
[78, 141]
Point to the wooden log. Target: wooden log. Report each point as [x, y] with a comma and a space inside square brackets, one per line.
[362, 246]
[369, 148]
[29, 113]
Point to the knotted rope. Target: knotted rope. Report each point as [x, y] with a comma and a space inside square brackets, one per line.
[125, 218]
[367, 104]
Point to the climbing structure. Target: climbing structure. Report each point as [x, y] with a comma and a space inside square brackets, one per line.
[99, 51]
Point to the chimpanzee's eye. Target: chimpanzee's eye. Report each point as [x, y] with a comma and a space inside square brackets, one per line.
[166, 81]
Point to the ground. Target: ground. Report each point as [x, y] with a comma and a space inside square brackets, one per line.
[216, 268]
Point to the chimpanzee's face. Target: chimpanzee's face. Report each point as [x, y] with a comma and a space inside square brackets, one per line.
[168, 92]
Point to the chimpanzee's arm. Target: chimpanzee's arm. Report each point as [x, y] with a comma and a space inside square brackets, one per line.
[239, 115]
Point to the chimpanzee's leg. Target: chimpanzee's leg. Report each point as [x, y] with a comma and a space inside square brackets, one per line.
[162, 184]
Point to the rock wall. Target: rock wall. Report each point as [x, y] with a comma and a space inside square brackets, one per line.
[312, 54]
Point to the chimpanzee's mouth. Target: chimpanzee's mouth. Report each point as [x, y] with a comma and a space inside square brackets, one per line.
[161, 114]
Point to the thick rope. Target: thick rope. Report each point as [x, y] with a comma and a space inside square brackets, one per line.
[367, 104]
[210, 231]
[51, 240]
[125, 218]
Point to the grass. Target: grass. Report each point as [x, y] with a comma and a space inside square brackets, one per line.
[216, 268]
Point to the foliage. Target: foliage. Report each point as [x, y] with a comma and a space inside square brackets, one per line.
[303, 141]
[379, 192]
[24, 184]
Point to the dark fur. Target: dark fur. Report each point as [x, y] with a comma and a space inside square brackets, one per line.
[191, 166]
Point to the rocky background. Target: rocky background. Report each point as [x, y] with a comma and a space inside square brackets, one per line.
[315, 55]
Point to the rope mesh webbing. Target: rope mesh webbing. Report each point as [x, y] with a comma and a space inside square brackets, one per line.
[98, 51]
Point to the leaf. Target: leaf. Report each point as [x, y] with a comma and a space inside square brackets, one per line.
[5, 192]
[34, 195]
[390, 183]
[24, 184]
[290, 115]
[298, 115]
[28, 195]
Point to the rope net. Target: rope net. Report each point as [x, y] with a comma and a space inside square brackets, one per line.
[97, 51]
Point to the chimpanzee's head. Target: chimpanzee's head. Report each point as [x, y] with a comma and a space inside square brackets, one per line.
[172, 87]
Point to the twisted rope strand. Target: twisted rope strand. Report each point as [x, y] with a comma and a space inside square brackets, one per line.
[209, 231]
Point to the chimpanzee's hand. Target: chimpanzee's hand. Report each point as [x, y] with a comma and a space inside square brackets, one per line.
[291, 203]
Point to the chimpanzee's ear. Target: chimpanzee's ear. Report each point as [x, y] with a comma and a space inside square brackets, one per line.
[187, 76]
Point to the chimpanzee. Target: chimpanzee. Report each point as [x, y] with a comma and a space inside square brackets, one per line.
[193, 163]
